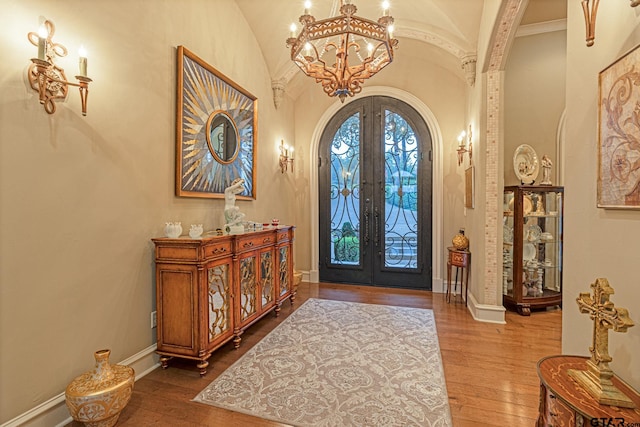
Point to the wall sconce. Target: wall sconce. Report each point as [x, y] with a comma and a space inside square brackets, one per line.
[286, 157]
[465, 145]
[47, 78]
[590, 9]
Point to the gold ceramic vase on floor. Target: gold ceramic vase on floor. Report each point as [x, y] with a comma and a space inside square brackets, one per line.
[97, 397]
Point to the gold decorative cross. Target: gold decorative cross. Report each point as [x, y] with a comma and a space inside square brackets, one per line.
[597, 378]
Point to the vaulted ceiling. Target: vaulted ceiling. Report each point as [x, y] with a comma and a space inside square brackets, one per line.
[451, 25]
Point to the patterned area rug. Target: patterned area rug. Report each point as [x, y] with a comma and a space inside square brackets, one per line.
[334, 363]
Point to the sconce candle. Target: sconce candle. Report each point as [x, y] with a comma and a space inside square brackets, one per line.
[461, 142]
[42, 42]
[83, 61]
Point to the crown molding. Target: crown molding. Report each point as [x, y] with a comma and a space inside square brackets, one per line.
[541, 28]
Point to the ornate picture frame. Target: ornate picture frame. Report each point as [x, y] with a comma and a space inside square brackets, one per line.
[216, 131]
[619, 133]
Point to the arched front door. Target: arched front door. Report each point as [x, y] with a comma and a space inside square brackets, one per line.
[375, 185]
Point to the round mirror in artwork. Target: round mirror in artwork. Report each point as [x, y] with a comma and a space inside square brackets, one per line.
[222, 137]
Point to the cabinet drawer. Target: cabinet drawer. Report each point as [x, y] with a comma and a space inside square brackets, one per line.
[458, 259]
[247, 243]
[558, 413]
[171, 252]
[283, 236]
[217, 250]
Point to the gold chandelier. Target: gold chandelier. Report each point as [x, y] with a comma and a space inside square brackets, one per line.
[343, 51]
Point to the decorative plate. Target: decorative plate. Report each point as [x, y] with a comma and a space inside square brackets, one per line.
[533, 233]
[525, 164]
[527, 205]
[528, 252]
[507, 233]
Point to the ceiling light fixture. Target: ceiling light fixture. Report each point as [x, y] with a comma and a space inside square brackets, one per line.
[343, 51]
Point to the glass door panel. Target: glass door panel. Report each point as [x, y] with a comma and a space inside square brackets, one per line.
[345, 193]
[375, 195]
[400, 193]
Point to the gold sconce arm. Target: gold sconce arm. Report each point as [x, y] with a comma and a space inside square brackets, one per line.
[590, 9]
[47, 78]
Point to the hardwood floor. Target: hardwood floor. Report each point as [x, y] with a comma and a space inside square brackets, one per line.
[490, 369]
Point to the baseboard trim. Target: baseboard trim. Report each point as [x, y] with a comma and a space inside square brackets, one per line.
[305, 275]
[312, 276]
[485, 312]
[438, 286]
[54, 411]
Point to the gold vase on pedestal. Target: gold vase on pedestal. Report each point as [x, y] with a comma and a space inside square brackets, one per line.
[460, 241]
[97, 397]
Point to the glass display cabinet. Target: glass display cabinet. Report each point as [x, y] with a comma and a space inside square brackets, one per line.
[532, 247]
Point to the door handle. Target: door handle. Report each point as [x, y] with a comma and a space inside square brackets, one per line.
[366, 223]
[376, 235]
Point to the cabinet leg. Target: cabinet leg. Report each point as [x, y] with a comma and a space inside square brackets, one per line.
[277, 309]
[524, 309]
[202, 365]
[164, 361]
[236, 341]
[448, 291]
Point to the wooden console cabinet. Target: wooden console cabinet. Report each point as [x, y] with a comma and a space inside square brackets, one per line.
[564, 403]
[210, 290]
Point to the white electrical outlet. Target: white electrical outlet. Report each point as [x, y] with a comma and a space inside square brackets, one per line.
[154, 319]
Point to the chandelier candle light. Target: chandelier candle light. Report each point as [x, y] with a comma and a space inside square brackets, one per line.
[343, 51]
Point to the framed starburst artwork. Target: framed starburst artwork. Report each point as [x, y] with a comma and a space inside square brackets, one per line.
[216, 131]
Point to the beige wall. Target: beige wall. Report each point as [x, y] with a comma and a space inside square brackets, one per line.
[598, 242]
[534, 98]
[80, 197]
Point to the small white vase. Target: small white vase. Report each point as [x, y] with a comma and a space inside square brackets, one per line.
[195, 231]
[173, 229]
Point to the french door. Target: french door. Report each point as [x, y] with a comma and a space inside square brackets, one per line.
[375, 186]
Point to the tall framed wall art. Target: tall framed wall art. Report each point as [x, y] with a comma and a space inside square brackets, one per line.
[619, 133]
[216, 131]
